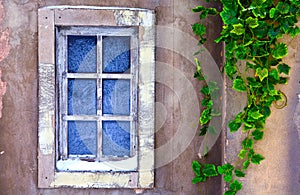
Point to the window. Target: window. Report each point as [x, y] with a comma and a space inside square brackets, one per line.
[97, 103]
[96, 97]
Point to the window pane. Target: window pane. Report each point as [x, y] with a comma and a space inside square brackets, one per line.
[116, 138]
[82, 52]
[82, 97]
[82, 138]
[116, 54]
[116, 96]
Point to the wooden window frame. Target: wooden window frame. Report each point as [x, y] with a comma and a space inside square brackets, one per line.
[62, 117]
[49, 18]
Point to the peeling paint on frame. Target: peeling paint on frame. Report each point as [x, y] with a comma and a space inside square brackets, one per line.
[144, 20]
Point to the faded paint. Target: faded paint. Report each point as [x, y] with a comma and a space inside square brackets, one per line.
[4, 51]
[19, 123]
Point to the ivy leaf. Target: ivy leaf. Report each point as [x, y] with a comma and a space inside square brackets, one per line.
[199, 29]
[205, 116]
[279, 51]
[247, 143]
[198, 9]
[230, 70]
[284, 68]
[230, 192]
[196, 166]
[238, 29]
[252, 22]
[236, 185]
[255, 114]
[257, 134]
[227, 178]
[234, 126]
[256, 158]
[246, 164]
[242, 154]
[239, 85]
[239, 173]
[262, 73]
[241, 52]
[229, 16]
[274, 74]
[283, 7]
[272, 12]
[198, 179]
[203, 131]
[209, 170]
[261, 30]
[205, 90]
[225, 169]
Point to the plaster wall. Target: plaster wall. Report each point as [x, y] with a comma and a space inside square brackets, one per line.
[177, 142]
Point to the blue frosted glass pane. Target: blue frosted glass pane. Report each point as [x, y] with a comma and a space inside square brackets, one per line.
[116, 54]
[116, 138]
[82, 138]
[116, 96]
[82, 52]
[82, 97]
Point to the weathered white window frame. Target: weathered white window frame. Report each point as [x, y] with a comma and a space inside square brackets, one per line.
[85, 16]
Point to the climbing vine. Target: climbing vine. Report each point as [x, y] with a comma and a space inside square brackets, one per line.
[251, 32]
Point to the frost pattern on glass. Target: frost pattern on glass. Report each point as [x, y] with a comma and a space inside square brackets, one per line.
[116, 96]
[116, 138]
[82, 97]
[116, 54]
[82, 138]
[82, 54]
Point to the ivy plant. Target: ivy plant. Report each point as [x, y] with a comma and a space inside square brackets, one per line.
[251, 32]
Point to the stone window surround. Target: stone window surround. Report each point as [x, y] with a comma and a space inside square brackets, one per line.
[48, 19]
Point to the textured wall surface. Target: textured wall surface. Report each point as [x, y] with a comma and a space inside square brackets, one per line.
[177, 106]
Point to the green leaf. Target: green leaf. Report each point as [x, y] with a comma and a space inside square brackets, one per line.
[199, 29]
[227, 178]
[207, 102]
[252, 22]
[236, 185]
[246, 164]
[242, 154]
[283, 7]
[238, 29]
[230, 192]
[198, 9]
[229, 4]
[272, 12]
[230, 69]
[234, 126]
[225, 169]
[279, 51]
[205, 116]
[239, 173]
[239, 85]
[274, 73]
[203, 131]
[247, 143]
[257, 134]
[255, 114]
[205, 90]
[199, 179]
[284, 68]
[262, 73]
[196, 166]
[256, 158]
[261, 30]
[209, 170]
[229, 16]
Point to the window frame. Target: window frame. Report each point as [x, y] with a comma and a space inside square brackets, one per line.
[62, 117]
[84, 16]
